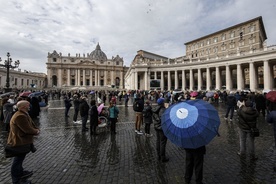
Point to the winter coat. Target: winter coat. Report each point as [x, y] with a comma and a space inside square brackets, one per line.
[247, 118]
[156, 116]
[94, 114]
[22, 129]
[84, 108]
[271, 118]
[231, 101]
[147, 113]
[76, 103]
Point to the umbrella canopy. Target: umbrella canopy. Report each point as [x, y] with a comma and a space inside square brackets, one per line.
[194, 93]
[92, 92]
[271, 96]
[26, 93]
[7, 94]
[190, 124]
[210, 94]
[100, 108]
[36, 94]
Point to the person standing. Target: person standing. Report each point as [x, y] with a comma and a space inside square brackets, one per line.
[113, 115]
[247, 120]
[147, 113]
[194, 161]
[93, 118]
[8, 111]
[138, 107]
[84, 109]
[22, 130]
[161, 139]
[76, 102]
[231, 103]
[271, 118]
[67, 103]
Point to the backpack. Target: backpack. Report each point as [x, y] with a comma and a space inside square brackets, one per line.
[136, 106]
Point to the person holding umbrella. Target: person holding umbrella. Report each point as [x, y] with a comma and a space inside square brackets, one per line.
[191, 125]
[161, 140]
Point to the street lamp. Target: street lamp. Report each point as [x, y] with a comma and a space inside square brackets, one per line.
[8, 64]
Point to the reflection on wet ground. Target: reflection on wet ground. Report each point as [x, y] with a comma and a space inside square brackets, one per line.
[66, 155]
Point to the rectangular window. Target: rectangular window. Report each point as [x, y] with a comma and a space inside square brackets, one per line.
[215, 39]
[22, 82]
[15, 81]
[232, 34]
[223, 37]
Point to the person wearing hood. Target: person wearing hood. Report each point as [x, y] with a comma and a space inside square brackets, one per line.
[247, 120]
[231, 103]
[161, 139]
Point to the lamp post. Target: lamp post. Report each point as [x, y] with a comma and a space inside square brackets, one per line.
[8, 65]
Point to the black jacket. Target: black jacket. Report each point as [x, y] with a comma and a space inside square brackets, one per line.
[157, 115]
[84, 108]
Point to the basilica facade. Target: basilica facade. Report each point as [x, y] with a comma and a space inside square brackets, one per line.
[235, 58]
[91, 71]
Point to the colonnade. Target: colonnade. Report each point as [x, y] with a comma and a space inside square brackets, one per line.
[237, 75]
[86, 77]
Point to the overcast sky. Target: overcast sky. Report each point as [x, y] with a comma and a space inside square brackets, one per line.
[30, 29]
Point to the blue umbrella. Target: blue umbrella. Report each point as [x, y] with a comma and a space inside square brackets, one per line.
[92, 92]
[190, 124]
[210, 94]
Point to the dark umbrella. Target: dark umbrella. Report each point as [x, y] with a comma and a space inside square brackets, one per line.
[191, 124]
[271, 96]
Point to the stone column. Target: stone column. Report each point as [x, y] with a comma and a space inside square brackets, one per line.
[183, 80]
[208, 79]
[169, 80]
[146, 80]
[98, 81]
[91, 78]
[68, 77]
[155, 75]
[268, 77]
[59, 84]
[252, 77]
[218, 78]
[78, 77]
[136, 80]
[191, 80]
[112, 78]
[176, 79]
[229, 84]
[96, 77]
[162, 81]
[83, 78]
[240, 77]
[105, 78]
[199, 79]
[121, 80]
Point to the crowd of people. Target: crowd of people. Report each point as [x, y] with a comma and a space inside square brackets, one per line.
[86, 105]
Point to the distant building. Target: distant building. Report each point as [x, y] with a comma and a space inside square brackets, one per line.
[234, 58]
[23, 80]
[93, 71]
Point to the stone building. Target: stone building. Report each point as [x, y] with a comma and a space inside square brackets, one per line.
[234, 58]
[23, 80]
[93, 71]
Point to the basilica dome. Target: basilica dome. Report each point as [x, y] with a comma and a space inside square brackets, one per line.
[98, 54]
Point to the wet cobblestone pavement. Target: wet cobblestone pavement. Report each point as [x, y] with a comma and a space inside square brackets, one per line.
[66, 155]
